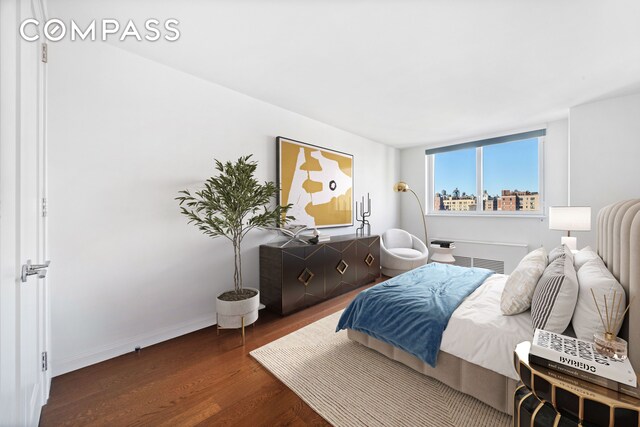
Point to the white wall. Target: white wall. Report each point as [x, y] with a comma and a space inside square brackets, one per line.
[533, 232]
[125, 135]
[605, 154]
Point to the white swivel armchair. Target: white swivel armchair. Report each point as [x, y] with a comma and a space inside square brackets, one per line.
[400, 252]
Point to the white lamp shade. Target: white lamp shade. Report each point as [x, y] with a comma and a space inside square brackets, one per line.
[570, 218]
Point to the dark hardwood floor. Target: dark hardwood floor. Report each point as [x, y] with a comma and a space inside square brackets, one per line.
[195, 379]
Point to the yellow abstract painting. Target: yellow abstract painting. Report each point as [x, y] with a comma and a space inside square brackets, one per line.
[317, 181]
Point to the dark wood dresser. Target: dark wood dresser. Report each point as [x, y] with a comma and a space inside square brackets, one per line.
[300, 275]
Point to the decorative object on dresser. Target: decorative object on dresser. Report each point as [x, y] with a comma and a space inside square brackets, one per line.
[547, 397]
[403, 187]
[401, 252]
[362, 217]
[570, 218]
[231, 204]
[301, 275]
[317, 181]
[316, 237]
[293, 232]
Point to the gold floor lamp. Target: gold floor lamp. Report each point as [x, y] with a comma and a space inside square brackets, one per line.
[403, 187]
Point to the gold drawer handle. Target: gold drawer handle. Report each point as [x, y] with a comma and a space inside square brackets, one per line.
[342, 266]
[369, 259]
[305, 277]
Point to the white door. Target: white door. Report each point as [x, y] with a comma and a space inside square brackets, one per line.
[23, 303]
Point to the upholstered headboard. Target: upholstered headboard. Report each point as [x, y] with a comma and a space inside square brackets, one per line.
[618, 244]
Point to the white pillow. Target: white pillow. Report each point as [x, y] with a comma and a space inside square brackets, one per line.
[554, 299]
[595, 275]
[518, 290]
[584, 255]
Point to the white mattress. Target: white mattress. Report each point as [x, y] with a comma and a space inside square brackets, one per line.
[478, 332]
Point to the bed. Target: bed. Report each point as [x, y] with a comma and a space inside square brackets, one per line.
[475, 355]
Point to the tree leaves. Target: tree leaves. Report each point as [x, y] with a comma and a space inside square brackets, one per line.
[232, 203]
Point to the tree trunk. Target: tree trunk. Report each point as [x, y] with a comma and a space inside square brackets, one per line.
[237, 273]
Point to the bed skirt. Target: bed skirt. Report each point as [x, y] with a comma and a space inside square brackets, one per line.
[492, 388]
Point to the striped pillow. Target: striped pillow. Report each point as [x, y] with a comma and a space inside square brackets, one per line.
[560, 251]
[555, 297]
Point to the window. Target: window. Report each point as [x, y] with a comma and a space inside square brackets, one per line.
[497, 175]
[455, 180]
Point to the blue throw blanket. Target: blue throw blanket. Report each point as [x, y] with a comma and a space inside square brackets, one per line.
[412, 310]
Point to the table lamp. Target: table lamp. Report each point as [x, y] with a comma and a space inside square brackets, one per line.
[570, 218]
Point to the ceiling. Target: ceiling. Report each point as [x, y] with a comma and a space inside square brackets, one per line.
[403, 73]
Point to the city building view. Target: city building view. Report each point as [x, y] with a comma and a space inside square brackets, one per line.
[508, 200]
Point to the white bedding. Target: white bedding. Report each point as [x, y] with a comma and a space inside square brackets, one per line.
[478, 332]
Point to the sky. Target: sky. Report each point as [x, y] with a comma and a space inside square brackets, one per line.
[509, 166]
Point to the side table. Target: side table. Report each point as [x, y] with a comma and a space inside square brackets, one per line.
[545, 398]
[442, 255]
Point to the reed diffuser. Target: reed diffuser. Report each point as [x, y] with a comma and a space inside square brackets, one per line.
[607, 343]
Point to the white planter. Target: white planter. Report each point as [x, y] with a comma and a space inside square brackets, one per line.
[230, 313]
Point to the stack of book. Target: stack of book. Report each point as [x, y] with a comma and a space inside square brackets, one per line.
[323, 238]
[442, 243]
[566, 357]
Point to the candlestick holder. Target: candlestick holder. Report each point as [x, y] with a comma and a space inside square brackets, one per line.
[362, 217]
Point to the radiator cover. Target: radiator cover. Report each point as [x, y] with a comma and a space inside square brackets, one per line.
[502, 258]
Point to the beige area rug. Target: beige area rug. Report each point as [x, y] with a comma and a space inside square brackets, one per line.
[351, 385]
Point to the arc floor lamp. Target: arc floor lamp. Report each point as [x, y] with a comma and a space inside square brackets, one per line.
[403, 187]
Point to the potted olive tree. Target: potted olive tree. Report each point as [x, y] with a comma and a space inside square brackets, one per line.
[231, 204]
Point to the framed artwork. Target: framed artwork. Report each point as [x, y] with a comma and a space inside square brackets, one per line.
[317, 181]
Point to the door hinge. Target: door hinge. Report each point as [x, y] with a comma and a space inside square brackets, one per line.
[44, 206]
[44, 54]
[45, 361]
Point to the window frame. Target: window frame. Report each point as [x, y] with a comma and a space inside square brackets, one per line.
[480, 212]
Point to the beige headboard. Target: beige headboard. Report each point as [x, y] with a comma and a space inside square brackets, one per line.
[618, 231]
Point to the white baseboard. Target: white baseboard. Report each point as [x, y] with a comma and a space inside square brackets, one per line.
[35, 407]
[127, 345]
